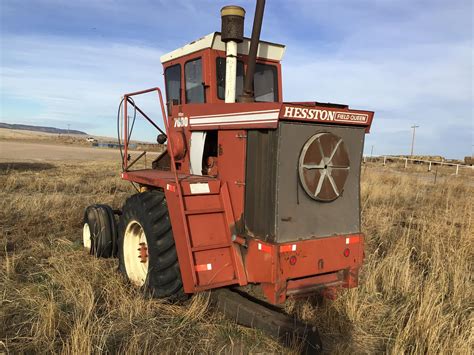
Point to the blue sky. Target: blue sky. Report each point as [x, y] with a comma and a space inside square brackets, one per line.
[68, 62]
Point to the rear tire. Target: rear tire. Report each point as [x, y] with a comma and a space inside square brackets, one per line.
[147, 252]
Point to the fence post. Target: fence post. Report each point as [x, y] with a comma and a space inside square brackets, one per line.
[457, 169]
[384, 158]
[429, 167]
[406, 162]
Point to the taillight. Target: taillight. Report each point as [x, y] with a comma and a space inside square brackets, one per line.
[292, 260]
[347, 252]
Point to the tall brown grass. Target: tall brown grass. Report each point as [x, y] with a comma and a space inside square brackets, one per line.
[415, 293]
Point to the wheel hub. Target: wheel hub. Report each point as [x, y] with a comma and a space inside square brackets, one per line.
[143, 255]
[86, 236]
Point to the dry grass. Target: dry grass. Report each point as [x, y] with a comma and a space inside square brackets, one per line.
[416, 292]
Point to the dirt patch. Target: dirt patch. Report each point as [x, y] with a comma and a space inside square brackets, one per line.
[12, 151]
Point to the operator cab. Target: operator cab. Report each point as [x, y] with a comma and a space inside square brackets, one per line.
[195, 73]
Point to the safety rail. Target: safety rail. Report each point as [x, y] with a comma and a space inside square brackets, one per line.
[126, 99]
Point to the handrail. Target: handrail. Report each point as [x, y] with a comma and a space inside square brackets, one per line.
[125, 118]
[145, 115]
[170, 153]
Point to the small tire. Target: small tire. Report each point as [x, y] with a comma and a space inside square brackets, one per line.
[99, 231]
[147, 252]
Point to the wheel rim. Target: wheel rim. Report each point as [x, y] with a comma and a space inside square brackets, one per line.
[86, 236]
[135, 253]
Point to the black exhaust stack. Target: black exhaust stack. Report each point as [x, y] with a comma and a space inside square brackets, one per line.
[248, 94]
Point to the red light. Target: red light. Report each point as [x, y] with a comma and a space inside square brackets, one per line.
[292, 260]
[347, 252]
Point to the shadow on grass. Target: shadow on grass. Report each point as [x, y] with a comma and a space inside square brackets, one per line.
[12, 166]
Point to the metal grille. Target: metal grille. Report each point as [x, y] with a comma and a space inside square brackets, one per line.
[324, 166]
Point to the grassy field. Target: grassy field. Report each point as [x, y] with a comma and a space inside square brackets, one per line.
[415, 296]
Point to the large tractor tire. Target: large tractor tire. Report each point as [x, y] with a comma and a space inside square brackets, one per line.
[99, 231]
[147, 252]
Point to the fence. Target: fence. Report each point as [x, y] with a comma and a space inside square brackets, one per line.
[388, 158]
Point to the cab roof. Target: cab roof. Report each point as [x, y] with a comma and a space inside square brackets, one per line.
[266, 50]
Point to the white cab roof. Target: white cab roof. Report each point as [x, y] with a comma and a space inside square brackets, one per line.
[266, 50]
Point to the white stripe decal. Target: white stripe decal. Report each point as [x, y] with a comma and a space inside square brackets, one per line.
[241, 118]
[233, 123]
[237, 113]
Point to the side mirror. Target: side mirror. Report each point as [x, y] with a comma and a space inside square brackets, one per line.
[161, 139]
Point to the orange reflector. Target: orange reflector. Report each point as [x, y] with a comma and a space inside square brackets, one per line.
[203, 267]
[347, 252]
[287, 248]
[264, 248]
[352, 240]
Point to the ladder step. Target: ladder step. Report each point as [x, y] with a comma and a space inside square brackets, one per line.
[204, 211]
[211, 247]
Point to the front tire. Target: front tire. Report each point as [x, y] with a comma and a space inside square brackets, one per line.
[99, 232]
[147, 252]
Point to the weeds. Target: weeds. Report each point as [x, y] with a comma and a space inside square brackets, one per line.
[415, 293]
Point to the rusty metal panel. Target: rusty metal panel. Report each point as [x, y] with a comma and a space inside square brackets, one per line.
[301, 216]
[260, 183]
[214, 266]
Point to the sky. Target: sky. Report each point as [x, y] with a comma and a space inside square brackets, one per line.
[411, 61]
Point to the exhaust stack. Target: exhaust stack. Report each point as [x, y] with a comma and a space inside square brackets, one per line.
[248, 95]
[232, 32]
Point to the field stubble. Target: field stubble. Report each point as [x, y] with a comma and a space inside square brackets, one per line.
[415, 293]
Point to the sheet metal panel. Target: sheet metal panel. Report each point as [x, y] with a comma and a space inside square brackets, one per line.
[260, 183]
[277, 208]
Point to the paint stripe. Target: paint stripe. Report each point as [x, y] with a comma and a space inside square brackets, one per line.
[237, 113]
[235, 118]
[232, 123]
[265, 248]
[203, 267]
[287, 248]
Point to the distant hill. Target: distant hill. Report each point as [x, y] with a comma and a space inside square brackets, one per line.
[25, 127]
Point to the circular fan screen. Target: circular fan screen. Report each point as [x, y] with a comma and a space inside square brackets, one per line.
[324, 167]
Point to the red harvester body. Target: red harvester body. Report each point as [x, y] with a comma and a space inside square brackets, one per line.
[258, 193]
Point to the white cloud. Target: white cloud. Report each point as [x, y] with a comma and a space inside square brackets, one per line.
[76, 81]
[407, 61]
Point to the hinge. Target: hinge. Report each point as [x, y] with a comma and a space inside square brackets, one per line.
[241, 136]
[240, 183]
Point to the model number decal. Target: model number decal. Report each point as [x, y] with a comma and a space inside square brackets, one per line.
[181, 122]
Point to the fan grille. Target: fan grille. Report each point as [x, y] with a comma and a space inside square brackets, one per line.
[324, 166]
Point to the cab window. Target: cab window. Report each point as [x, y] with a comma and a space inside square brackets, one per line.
[194, 83]
[265, 81]
[220, 72]
[173, 83]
